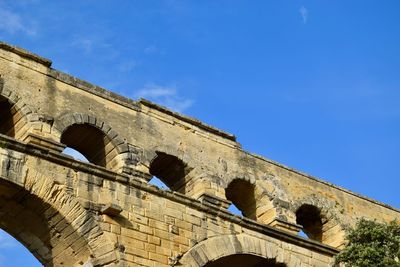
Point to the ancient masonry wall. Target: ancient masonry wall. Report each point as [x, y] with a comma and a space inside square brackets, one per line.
[104, 213]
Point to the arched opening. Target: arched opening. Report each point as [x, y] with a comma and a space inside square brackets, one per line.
[241, 193]
[234, 210]
[75, 154]
[91, 142]
[13, 253]
[157, 182]
[309, 217]
[237, 250]
[244, 260]
[170, 170]
[302, 234]
[40, 227]
[10, 118]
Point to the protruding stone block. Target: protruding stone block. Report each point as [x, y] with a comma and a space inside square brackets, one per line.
[111, 210]
[214, 200]
[44, 142]
[286, 226]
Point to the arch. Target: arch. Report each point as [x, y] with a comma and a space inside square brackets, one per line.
[242, 195]
[90, 142]
[309, 217]
[252, 199]
[321, 220]
[8, 117]
[24, 218]
[244, 260]
[15, 115]
[249, 178]
[158, 183]
[97, 141]
[216, 248]
[16, 253]
[170, 170]
[40, 213]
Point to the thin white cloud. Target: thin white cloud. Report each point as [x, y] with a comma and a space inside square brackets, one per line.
[151, 49]
[304, 14]
[165, 95]
[95, 44]
[83, 43]
[156, 91]
[12, 22]
[127, 66]
[178, 105]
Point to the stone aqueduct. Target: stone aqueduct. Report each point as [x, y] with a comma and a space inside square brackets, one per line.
[104, 213]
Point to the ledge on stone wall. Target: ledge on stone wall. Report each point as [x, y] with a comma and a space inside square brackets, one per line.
[188, 119]
[25, 53]
[44, 142]
[208, 208]
[214, 200]
[104, 93]
[111, 209]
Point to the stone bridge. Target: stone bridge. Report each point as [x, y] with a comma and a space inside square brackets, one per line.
[104, 213]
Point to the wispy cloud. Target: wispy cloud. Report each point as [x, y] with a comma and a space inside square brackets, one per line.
[95, 43]
[127, 66]
[12, 22]
[86, 44]
[165, 95]
[151, 49]
[304, 14]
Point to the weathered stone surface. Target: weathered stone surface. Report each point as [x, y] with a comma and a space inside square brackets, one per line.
[104, 213]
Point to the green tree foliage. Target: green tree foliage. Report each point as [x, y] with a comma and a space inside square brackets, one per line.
[372, 244]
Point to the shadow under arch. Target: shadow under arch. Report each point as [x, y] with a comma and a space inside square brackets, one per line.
[38, 212]
[14, 115]
[321, 220]
[171, 170]
[40, 228]
[217, 249]
[242, 195]
[244, 260]
[91, 142]
[7, 114]
[96, 140]
[309, 217]
[252, 199]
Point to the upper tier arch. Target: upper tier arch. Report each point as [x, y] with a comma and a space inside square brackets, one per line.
[15, 115]
[96, 140]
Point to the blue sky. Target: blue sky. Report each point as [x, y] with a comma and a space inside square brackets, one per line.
[314, 84]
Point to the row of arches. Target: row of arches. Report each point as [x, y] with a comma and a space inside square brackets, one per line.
[244, 197]
[81, 134]
[93, 144]
[98, 144]
[169, 173]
